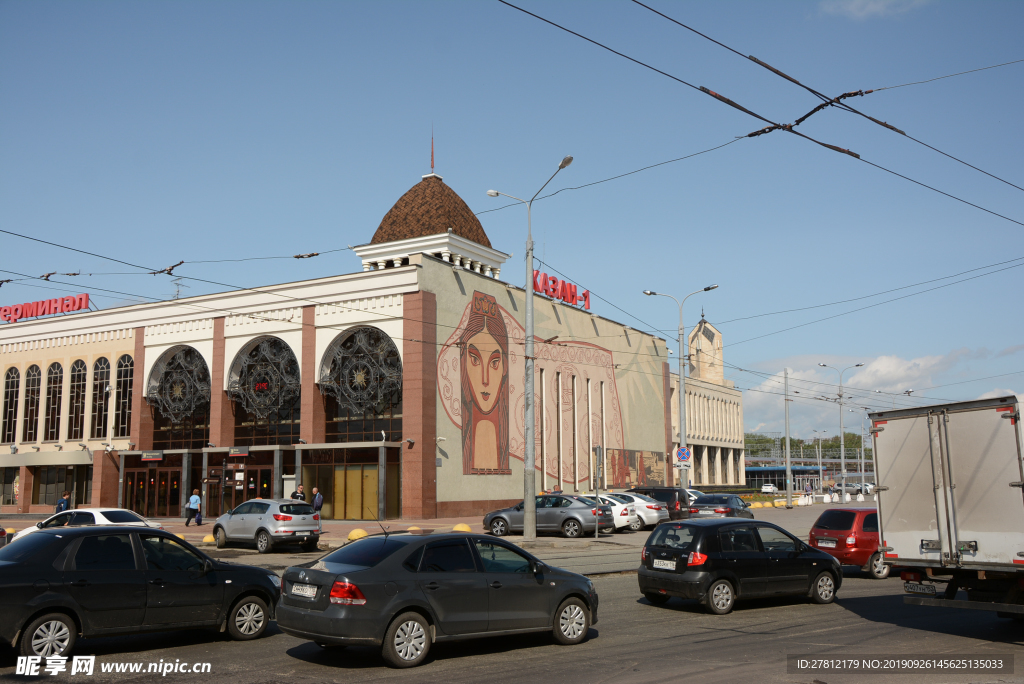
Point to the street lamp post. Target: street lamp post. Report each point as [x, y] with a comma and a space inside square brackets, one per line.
[529, 459]
[842, 441]
[821, 476]
[682, 353]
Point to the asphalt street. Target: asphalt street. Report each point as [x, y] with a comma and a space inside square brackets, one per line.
[633, 642]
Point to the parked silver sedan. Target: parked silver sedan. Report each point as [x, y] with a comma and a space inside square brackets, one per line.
[650, 511]
[572, 515]
[269, 523]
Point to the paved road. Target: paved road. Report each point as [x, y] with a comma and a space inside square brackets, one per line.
[633, 642]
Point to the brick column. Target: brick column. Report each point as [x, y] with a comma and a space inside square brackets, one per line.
[312, 425]
[25, 482]
[142, 414]
[222, 420]
[106, 470]
[419, 405]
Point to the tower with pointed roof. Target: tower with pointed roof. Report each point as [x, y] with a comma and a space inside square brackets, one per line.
[706, 352]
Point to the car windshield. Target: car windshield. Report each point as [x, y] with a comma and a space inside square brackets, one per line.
[585, 501]
[713, 499]
[663, 495]
[121, 517]
[27, 547]
[297, 509]
[836, 520]
[367, 552]
[673, 536]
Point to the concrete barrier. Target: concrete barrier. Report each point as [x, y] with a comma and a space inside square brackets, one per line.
[860, 497]
[462, 527]
[209, 538]
[356, 534]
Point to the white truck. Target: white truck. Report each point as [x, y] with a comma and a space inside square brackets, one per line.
[951, 502]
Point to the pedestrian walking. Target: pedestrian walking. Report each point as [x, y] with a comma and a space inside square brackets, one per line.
[318, 503]
[64, 503]
[193, 511]
[298, 494]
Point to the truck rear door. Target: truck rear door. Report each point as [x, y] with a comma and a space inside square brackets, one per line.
[984, 474]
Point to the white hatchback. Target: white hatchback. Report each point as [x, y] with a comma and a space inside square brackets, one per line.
[649, 511]
[768, 488]
[89, 516]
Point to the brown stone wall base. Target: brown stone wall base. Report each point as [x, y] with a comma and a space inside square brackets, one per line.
[106, 469]
[462, 509]
[25, 483]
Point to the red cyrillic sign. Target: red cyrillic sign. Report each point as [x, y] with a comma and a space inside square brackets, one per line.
[45, 307]
[560, 289]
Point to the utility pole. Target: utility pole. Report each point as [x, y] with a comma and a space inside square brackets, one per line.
[789, 467]
[842, 438]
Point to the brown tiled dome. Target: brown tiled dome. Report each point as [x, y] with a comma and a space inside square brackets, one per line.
[430, 207]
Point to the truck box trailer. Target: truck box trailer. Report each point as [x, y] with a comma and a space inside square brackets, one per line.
[951, 502]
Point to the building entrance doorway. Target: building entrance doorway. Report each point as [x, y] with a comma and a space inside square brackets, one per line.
[153, 492]
[259, 483]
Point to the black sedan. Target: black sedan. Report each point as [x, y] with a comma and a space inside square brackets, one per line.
[720, 561]
[720, 506]
[58, 584]
[402, 593]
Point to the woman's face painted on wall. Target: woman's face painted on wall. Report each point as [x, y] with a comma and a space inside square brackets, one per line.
[486, 369]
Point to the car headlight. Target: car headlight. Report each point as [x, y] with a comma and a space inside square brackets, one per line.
[275, 580]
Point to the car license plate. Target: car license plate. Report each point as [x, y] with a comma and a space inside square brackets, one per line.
[827, 543]
[706, 512]
[664, 564]
[306, 590]
[915, 588]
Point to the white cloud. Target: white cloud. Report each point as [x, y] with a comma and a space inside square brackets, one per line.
[866, 9]
[996, 393]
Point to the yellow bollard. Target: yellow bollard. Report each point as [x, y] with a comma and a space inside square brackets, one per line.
[756, 504]
[413, 527]
[180, 536]
[356, 534]
[209, 538]
[462, 527]
[10, 530]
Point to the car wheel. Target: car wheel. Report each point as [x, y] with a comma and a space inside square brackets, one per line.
[222, 539]
[720, 598]
[248, 619]
[499, 528]
[263, 544]
[637, 526]
[878, 569]
[407, 641]
[572, 622]
[49, 636]
[657, 599]
[824, 590]
[571, 529]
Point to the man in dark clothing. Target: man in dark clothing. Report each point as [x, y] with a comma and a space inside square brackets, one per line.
[318, 503]
[64, 503]
[297, 494]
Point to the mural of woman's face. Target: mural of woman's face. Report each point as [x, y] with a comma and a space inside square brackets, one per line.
[486, 369]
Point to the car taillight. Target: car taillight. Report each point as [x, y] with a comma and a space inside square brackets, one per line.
[316, 516]
[643, 555]
[347, 594]
[654, 508]
[851, 540]
[624, 512]
[694, 510]
[278, 516]
[677, 505]
[910, 576]
[696, 558]
[721, 510]
[593, 511]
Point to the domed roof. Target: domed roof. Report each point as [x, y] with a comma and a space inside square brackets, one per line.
[430, 207]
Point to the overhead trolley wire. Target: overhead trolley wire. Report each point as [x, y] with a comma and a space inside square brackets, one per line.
[838, 101]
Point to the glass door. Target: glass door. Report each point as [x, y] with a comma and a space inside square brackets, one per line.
[162, 478]
[174, 494]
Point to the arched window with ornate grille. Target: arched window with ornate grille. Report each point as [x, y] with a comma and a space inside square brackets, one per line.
[76, 410]
[54, 395]
[123, 397]
[33, 386]
[100, 405]
[12, 387]
[178, 389]
[361, 377]
[264, 384]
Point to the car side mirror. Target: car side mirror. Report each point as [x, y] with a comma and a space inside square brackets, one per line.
[519, 507]
[207, 567]
[536, 567]
[39, 525]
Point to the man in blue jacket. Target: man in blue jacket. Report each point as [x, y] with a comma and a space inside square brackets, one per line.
[64, 503]
[318, 503]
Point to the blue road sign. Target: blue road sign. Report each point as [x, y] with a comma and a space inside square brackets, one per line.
[683, 454]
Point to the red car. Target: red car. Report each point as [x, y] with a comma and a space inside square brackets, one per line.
[850, 535]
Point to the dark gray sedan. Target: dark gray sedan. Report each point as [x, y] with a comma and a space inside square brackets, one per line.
[720, 506]
[402, 593]
[572, 515]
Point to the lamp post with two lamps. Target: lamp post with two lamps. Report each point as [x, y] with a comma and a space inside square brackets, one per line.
[842, 441]
[682, 353]
[529, 458]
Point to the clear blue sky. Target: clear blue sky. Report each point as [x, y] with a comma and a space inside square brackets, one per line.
[162, 131]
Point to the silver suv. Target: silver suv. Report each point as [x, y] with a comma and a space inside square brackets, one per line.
[269, 523]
